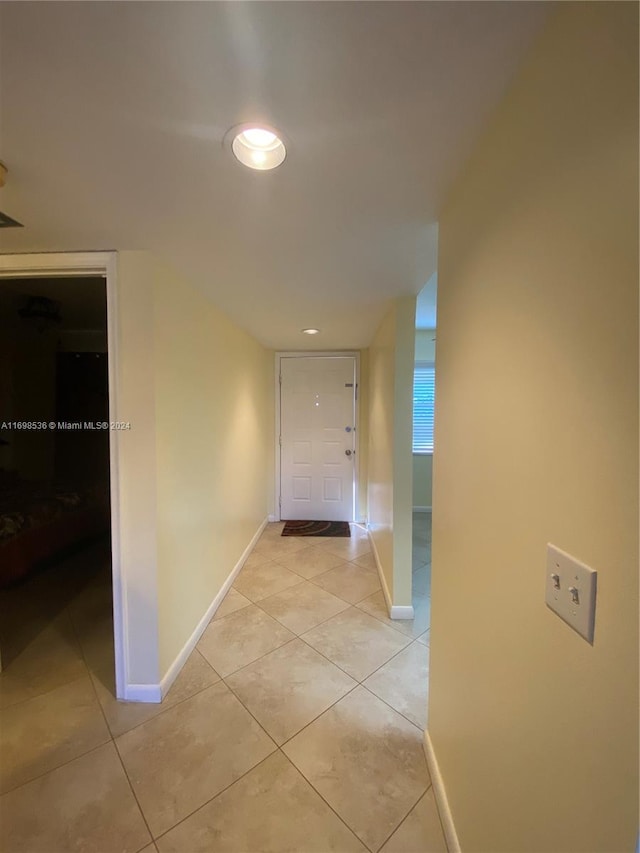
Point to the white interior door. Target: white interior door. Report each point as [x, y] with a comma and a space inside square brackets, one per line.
[317, 436]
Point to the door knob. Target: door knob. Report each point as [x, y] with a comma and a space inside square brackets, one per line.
[348, 452]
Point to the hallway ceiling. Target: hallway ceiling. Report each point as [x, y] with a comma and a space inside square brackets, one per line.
[112, 119]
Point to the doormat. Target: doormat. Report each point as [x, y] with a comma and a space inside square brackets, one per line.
[316, 528]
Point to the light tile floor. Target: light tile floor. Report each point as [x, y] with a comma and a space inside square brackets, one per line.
[295, 725]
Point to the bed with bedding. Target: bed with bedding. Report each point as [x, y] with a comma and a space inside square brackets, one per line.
[40, 521]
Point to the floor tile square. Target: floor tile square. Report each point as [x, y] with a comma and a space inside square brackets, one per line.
[356, 642]
[348, 581]
[403, 683]
[302, 607]
[47, 731]
[86, 805]
[290, 687]
[309, 562]
[272, 809]
[241, 638]
[376, 605]
[257, 582]
[421, 830]
[366, 761]
[121, 716]
[188, 754]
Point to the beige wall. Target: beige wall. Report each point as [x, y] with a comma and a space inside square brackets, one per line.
[535, 730]
[391, 360]
[380, 455]
[214, 433]
[195, 466]
[422, 462]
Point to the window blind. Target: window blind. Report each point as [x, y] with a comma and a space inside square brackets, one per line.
[424, 388]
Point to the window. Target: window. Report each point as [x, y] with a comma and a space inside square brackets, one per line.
[424, 386]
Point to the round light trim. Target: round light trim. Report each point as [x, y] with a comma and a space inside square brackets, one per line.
[311, 331]
[257, 147]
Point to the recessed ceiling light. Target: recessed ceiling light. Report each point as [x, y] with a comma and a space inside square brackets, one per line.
[310, 331]
[257, 146]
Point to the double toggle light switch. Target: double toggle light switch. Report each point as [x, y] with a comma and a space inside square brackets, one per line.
[571, 591]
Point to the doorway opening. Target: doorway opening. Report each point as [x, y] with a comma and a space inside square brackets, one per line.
[55, 546]
[423, 427]
[55, 267]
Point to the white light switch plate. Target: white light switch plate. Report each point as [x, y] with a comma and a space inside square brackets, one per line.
[571, 591]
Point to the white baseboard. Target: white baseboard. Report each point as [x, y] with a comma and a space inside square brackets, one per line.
[399, 611]
[142, 693]
[271, 519]
[422, 509]
[446, 818]
[395, 611]
[156, 692]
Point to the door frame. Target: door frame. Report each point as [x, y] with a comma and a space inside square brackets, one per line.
[55, 265]
[277, 474]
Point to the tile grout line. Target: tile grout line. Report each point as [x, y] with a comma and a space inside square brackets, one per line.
[40, 695]
[321, 714]
[59, 766]
[423, 794]
[135, 796]
[251, 714]
[409, 644]
[291, 586]
[328, 804]
[64, 683]
[399, 630]
[245, 665]
[167, 707]
[113, 740]
[389, 705]
[215, 796]
[317, 625]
